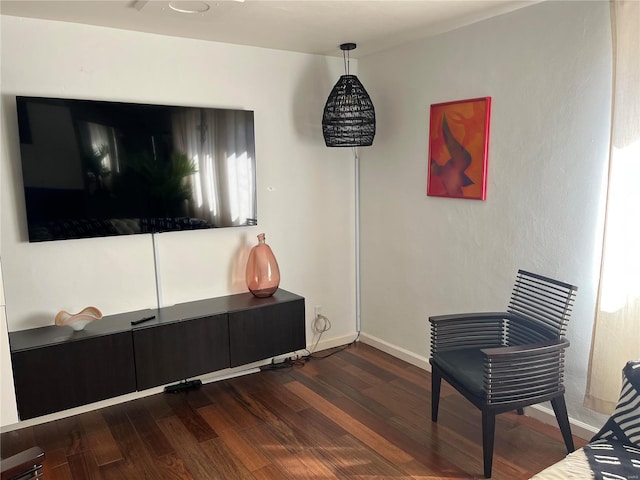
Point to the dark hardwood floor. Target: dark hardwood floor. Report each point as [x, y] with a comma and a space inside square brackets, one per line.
[357, 414]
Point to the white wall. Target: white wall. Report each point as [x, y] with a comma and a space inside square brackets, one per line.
[547, 68]
[305, 190]
[8, 408]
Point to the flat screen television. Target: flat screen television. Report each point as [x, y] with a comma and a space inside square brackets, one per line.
[97, 168]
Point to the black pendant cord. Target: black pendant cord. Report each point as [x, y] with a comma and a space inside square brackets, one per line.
[346, 48]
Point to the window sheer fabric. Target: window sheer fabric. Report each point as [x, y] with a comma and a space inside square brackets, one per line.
[616, 334]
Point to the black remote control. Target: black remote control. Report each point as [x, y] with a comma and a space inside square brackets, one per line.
[145, 319]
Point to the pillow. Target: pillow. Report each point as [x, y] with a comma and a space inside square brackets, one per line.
[624, 423]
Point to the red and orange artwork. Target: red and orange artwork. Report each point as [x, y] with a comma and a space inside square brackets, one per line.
[458, 147]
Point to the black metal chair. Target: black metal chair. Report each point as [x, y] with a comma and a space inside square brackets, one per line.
[502, 361]
[22, 466]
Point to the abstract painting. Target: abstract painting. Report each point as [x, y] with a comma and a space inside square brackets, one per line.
[458, 147]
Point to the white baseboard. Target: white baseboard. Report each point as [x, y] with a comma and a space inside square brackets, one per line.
[207, 378]
[334, 342]
[401, 353]
[539, 412]
[546, 415]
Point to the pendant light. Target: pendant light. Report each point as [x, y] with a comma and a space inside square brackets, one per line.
[349, 119]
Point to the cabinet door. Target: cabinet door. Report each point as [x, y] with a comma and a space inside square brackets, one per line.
[57, 377]
[177, 351]
[265, 332]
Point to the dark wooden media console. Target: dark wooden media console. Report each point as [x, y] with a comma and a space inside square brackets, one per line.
[55, 368]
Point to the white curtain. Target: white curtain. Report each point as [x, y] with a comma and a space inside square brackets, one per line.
[616, 335]
[220, 143]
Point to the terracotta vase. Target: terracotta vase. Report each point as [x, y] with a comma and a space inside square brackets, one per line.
[263, 274]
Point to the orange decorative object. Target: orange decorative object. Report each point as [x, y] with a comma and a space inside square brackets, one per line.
[79, 320]
[263, 274]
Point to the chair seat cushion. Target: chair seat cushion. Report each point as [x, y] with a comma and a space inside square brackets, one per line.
[466, 366]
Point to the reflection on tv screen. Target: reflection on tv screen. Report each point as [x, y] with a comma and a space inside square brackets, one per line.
[95, 168]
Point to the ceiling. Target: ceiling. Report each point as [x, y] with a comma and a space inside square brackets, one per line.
[307, 26]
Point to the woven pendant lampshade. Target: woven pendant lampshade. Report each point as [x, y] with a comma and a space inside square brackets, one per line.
[349, 118]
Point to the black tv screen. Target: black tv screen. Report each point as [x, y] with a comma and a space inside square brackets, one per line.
[95, 168]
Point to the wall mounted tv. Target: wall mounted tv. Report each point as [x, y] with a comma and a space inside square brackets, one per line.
[96, 168]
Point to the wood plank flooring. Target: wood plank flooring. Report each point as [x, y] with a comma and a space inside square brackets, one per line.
[356, 414]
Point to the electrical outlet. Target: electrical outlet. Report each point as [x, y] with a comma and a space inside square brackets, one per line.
[318, 311]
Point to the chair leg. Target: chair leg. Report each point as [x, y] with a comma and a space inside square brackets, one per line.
[436, 381]
[560, 409]
[488, 434]
[520, 411]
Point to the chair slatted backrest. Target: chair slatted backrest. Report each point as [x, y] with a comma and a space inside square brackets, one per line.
[540, 308]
